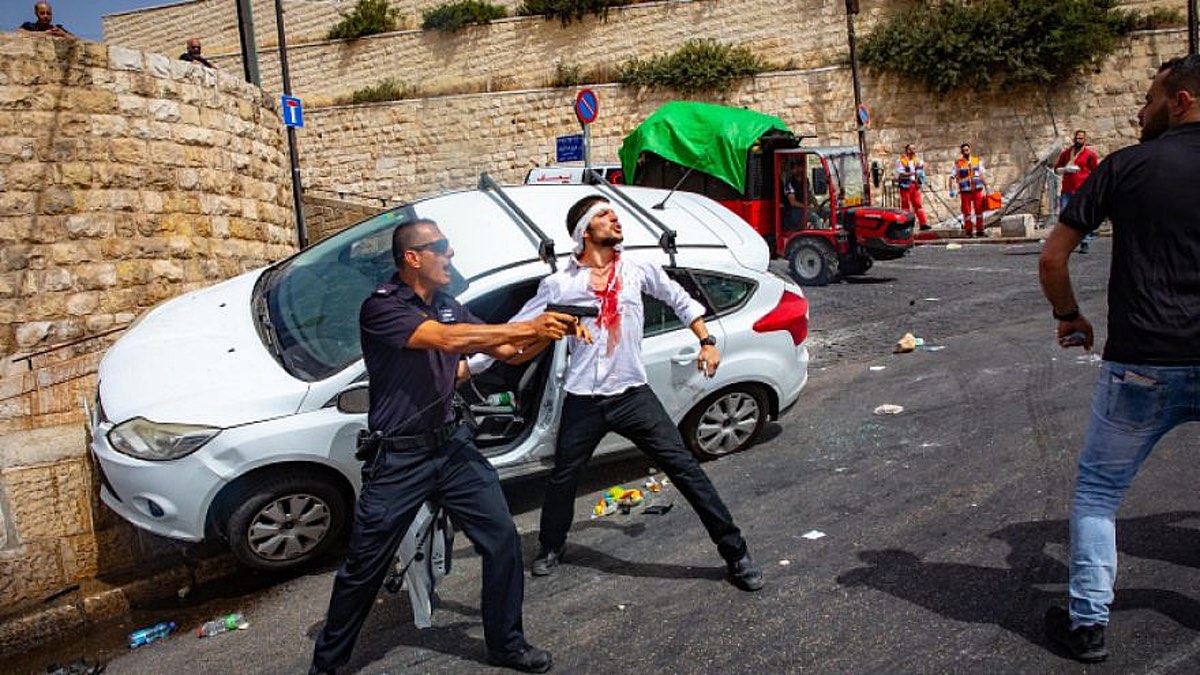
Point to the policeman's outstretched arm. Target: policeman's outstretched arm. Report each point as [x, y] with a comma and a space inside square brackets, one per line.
[520, 352]
[467, 338]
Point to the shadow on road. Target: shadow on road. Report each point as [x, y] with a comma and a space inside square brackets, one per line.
[1010, 597]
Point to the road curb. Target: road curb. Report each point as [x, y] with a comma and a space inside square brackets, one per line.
[97, 600]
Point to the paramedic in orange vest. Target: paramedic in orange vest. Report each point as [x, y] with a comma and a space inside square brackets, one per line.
[911, 176]
[968, 179]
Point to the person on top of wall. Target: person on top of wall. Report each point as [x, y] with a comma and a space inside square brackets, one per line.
[193, 54]
[45, 22]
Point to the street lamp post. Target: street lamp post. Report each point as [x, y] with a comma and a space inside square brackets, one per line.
[297, 188]
[851, 10]
[245, 17]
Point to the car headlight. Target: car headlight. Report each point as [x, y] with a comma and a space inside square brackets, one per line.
[156, 441]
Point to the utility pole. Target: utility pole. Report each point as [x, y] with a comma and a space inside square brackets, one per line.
[1192, 37]
[851, 10]
[245, 17]
[297, 188]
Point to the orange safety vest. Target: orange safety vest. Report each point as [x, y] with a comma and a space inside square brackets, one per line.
[909, 169]
[969, 176]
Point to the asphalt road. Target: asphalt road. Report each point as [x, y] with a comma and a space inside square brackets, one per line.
[944, 528]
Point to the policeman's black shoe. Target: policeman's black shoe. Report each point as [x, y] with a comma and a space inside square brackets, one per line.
[545, 561]
[1085, 643]
[528, 660]
[744, 574]
[1083, 247]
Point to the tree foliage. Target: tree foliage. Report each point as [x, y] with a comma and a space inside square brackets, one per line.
[451, 17]
[976, 44]
[567, 11]
[367, 18]
[696, 67]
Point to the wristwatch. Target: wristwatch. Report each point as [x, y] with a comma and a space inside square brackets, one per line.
[1066, 316]
[708, 341]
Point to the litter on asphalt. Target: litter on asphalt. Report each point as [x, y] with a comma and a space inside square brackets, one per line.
[889, 409]
[813, 535]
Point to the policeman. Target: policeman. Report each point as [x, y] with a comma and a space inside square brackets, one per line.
[413, 336]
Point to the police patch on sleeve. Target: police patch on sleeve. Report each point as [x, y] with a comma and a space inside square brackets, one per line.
[446, 315]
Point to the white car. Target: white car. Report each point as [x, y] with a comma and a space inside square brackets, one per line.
[233, 411]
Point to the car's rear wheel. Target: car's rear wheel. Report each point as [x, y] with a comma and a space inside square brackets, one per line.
[813, 262]
[725, 422]
[285, 520]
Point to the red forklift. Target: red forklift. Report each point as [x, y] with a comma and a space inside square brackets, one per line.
[751, 163]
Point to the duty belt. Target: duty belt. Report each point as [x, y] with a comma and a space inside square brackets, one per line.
[429, 439]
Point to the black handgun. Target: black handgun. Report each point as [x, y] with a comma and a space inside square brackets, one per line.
[368, 444]
[577, 311]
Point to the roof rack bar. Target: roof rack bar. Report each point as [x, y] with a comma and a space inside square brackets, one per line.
[545, 243]
[666, 237]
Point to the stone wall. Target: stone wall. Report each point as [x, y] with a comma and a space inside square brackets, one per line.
[324, 217]
[125, 179]
[410, 148]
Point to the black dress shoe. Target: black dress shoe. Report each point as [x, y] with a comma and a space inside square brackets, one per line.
[1085, 643]
[528, 660]
[744, 574]
[545, 561]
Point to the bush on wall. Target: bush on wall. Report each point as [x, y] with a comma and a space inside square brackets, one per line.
[451, 17]
[567, 11]
[697, 67]
[385, 90]
[368, 17]
[949, 44]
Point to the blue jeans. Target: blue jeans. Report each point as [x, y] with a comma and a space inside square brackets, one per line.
[1133, 406]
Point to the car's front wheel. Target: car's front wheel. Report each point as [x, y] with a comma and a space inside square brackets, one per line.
[285, 520]
[725, 422]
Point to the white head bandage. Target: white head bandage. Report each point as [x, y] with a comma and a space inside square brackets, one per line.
[581, 225]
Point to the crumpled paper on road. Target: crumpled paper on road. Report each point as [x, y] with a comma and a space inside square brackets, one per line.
[907, 344]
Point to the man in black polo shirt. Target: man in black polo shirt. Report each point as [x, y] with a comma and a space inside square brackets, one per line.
[413, 337]
[1150, 382]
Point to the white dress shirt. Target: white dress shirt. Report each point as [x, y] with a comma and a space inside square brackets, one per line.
[592, 370]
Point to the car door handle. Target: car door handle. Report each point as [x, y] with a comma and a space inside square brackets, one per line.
[687, 356]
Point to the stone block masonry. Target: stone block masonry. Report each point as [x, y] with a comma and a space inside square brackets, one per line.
[125, 179]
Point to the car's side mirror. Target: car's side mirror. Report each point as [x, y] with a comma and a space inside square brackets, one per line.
[355, 400]
[820, 181]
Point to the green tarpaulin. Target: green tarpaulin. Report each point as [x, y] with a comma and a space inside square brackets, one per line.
[702, 136]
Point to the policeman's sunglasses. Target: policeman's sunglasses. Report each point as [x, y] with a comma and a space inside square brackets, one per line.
[438, 246]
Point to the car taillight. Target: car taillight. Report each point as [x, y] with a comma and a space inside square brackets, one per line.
[791, 314]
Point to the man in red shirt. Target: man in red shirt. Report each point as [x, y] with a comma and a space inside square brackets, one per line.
[1075, 163]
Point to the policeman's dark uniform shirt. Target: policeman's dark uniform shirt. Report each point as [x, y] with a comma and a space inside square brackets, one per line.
[1149, 193]
[411, 389]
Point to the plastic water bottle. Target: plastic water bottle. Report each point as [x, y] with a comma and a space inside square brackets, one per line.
[953, 192]
[222, 624]
[504, 398]
[147, 635]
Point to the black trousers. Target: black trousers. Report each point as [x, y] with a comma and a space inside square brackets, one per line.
[395, 485]
[639, 416]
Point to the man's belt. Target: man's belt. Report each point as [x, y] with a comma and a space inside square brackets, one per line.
[429, 439]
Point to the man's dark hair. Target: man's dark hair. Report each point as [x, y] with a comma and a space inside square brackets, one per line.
[579, 208]
[1184, 75]
[404, 237]
[964, 145]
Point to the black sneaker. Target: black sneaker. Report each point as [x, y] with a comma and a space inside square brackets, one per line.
[1083, 247]
[1085, 643]
[545, 561]
[528, 660]
[744, 574]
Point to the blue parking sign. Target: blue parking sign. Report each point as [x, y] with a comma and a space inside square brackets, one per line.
[568, 148]
[293, 112]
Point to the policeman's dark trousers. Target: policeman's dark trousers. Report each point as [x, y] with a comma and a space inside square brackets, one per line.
[639, 416]
[394, 487]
